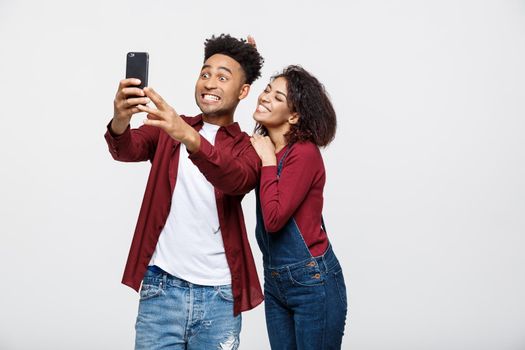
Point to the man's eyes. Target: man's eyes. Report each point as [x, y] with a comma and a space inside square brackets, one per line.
[208, 75]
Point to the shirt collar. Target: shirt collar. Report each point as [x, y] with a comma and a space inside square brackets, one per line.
[232, 129]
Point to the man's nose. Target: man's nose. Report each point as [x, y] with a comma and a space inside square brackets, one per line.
[209, 84]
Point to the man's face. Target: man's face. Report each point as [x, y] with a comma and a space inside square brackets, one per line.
[220, 86]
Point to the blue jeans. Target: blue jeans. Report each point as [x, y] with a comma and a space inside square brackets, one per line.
[305, 304]
[175, 314]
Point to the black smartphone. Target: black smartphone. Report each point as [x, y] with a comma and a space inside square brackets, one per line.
[137, 64]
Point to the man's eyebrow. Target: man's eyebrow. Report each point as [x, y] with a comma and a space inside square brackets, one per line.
[220, 67]
[226, 69]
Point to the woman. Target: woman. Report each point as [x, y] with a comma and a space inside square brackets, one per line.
[305, 293]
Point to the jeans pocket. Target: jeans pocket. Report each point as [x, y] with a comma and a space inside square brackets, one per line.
[307, 277]
[225, 293]
[341, 287]
[148, 291]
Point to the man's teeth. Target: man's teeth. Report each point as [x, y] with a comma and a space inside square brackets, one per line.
[211, 97]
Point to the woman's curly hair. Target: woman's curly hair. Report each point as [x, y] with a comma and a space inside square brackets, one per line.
[308, 98]
[238, 49]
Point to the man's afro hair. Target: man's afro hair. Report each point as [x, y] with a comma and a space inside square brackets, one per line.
[238, 49]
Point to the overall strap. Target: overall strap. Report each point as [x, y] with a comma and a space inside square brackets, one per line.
[281, 162]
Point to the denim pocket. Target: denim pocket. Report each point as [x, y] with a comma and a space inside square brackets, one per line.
[225, 293]
[341, 287]
[148, 291]
[309, 276]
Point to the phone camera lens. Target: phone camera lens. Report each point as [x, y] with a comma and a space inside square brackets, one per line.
[131, 54]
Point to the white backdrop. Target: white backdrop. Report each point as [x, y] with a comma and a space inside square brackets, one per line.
[425, 196]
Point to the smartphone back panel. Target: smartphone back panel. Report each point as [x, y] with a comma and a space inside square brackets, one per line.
[137, 67]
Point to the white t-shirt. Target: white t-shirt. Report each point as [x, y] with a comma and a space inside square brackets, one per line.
[190, 245]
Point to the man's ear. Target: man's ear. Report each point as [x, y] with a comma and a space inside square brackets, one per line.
[245, 89]
[294, 118]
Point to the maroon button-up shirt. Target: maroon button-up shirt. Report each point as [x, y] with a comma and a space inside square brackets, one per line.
[232, 166]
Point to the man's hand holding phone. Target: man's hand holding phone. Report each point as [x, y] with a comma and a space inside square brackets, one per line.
[130, 93]
[128, 97]
[132, 97]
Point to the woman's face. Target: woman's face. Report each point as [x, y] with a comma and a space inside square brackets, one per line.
[272, 106]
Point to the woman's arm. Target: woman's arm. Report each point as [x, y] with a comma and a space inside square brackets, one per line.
[281, 197]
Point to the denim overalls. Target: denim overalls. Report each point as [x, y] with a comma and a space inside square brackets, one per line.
[305, 296]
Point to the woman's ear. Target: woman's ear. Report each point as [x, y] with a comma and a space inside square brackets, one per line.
[294, 118]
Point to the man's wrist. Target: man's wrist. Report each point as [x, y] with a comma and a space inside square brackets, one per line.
[118, 126]
[192, 141]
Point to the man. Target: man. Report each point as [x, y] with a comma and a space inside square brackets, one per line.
[190, 248]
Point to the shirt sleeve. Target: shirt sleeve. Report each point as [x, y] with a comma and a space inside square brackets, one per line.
[134, 145]
[280, 197]
[234, 170]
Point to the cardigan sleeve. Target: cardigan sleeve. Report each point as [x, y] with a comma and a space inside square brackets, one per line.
[280, 197]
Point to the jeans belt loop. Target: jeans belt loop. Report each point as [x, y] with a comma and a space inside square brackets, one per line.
[164, 279]
[325, 266]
